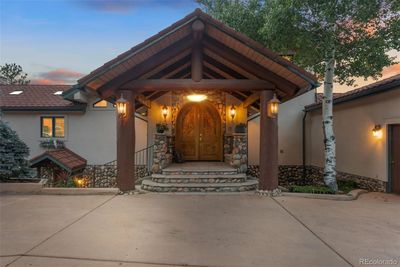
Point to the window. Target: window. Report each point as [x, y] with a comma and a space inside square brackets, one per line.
[100, 104]
[58, 93]
[52, 127]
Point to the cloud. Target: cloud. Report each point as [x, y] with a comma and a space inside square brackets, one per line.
[120, 6]
[391, 70]
[57, 76]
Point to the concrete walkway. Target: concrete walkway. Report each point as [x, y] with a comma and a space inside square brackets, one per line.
[197, 230]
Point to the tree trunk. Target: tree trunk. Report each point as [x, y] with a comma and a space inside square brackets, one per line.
[327, 124]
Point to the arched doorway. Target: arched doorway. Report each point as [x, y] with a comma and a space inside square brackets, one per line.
[198, 132]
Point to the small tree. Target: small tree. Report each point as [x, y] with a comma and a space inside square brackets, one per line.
[337, 40]
[13, 74]
[13, 154]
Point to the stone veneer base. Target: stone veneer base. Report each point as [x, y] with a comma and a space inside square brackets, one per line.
[293, 175]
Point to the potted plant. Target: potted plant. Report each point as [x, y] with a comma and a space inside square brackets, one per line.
[240, 128]
[161, 127]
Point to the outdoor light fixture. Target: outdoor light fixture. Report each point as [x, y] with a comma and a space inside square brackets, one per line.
[196, 98]
[121, 106]
[273, 107]
[232, 112]
[377, 131]
[164, 112]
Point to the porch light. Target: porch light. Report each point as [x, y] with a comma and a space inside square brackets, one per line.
[164, 112]
[232, 112]
[196, 98]
[273, 107]
[377, 131]
[121, 106]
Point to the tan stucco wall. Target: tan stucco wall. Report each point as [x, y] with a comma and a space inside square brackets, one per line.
[357, 151]
[289, 131]
[92, 135]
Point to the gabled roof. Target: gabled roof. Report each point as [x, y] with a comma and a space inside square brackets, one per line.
[64, 158]
[368, 90]
[218, 37]
[36, 98]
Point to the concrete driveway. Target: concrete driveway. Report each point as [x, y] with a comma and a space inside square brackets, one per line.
[197, 230]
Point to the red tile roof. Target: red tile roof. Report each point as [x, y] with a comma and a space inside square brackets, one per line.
[35, 97]
[64, 158]
[370, 89]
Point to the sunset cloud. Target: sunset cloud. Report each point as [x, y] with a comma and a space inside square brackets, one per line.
[120, 6]
[391, 70]
[57, 76]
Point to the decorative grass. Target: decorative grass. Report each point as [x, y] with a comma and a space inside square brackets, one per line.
[313, 189]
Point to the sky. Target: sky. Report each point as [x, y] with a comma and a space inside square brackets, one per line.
[59, 41]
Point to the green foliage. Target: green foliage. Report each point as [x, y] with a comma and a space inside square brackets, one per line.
[313, 189]
[13, 74]
[13, 154]
[347, 186]
[357, 33]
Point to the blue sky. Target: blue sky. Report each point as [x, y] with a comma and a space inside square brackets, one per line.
[59, 41]
[55, 41]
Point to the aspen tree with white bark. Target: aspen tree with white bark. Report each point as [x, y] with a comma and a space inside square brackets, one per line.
[337, 40]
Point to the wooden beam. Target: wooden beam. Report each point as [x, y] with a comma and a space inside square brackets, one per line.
[177, 70]
[143, 100]
[212, 73]
[251, 66]
[188, 84]
[197, 50]
[219, 71]
[268, 145]
[126, 145]
[184, 56]
[135, 72]
[251, 99]
[181, 74]
[222, 67]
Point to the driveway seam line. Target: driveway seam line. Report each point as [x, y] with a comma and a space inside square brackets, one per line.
[123, 261]
[62, 229]
[312, 232]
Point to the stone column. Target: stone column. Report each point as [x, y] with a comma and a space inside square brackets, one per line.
[126, 145]
[268, 145]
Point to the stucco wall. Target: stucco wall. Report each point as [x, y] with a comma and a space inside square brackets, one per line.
[357, 151]
[289, 131]
[92, 135]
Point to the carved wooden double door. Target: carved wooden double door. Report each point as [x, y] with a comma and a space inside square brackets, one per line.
[198, 132]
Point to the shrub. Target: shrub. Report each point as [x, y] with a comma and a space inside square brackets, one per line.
[314, 189]
[13, 154]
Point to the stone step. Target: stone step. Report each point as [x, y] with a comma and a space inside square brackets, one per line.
[199, 187]
[199, 172]
[199, 178]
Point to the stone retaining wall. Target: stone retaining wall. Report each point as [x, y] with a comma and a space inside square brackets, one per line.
[293, 175]
[162, 155]
[235, 151]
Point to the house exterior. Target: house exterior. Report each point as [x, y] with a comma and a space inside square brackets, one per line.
[203, 81]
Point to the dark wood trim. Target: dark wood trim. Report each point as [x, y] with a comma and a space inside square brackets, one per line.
[126, 145]
[167, 53]
[197, 50]
[188, 84]
[268, 145]
[251, 99]
[235, 58]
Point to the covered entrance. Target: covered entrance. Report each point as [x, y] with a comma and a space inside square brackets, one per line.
[198, 132]
[198, 54]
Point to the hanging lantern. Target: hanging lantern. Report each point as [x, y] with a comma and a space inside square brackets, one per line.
[121, 106]
[273, 107]
[164, 112]
[232, 112]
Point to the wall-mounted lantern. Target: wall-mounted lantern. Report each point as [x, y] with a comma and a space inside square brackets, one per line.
[377, 131]
[164, 112]
[121, 106]
[273, 107]
[232, 112]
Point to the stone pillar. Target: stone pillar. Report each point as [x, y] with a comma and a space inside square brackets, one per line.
[162, 156]
[268, 145]
[239, 152]
[126, 145]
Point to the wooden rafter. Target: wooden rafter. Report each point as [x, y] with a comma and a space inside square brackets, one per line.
[251, 99]
[219, 71]
[232, 73]
[184, 84]
[251, 66]
[172, 68]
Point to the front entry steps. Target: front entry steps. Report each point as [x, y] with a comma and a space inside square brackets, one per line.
[199, 177]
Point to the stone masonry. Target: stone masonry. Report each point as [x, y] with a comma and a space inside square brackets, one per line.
[235, 151]
[162, 155]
